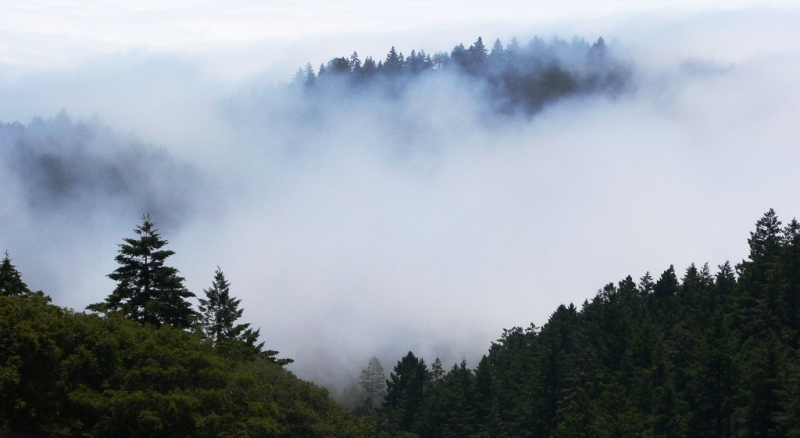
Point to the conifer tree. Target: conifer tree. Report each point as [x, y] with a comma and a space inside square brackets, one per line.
[497, 54]
[355, 62]
[373, 380]
[477, 55]
[148, 291]
[11, 283]
[437, 372]
[405, 393]
[311, 77]
[394, 62]
[646, 284]
[369, 68]
[219, 313]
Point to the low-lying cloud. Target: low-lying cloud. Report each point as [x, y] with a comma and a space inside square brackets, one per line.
[85, 168]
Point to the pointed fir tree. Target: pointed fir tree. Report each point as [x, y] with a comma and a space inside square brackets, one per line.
[405, 393]
[219, 312]
[373, 380]
[369, 68]
[148, 291]
[355, 62]
[299, 77]
[767, 237]
[11, 284]
[460, 55]
[760, 281]
[497, 54]
[310, 76]
[437, 372]
[394, 62]
[646, 285]
[477, 55]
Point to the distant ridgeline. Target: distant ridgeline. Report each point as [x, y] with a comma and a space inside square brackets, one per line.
[516, 78]
[62, 166]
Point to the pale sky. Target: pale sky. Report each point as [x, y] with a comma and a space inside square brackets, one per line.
[345, 251]
[48, 33]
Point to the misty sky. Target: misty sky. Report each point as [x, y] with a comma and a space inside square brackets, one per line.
[379, 227]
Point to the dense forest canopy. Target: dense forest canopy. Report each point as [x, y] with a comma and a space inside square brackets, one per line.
[699, 354]
[149, 365]
[515, 78]
[695, 354]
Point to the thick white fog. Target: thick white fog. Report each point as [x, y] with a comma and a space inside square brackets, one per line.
[374, 226]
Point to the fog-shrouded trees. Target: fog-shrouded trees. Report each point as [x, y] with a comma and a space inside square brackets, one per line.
[515, 79]
[148, 365]
[373, 381]
[692, 355]
[148, 291]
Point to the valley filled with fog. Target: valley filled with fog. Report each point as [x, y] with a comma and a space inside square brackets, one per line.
[361, 222]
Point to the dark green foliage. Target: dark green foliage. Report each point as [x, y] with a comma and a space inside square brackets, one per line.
[148, 291]
[11, 284]
[219, 312]
[405, 394]
[706, 355]
[29, 358]
[137, 371]
[85, 375]
[700, 355]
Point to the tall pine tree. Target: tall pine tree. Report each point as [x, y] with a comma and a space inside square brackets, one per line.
[219, 312]
[373, 380]
[405, 393]
[11, 283]
[148, 291]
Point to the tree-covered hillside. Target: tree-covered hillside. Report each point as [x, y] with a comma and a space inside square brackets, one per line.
[514, 78]
[697, 354]
[150, 365]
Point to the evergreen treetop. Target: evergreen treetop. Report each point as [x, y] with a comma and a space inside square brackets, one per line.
[373, 380]
[219, 312]
[11, 283]
[148, 291]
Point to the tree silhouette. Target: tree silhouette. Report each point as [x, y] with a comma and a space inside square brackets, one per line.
[148, 291]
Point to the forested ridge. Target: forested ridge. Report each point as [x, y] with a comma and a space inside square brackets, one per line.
[694, 354]
[147, 363]
[514, 78]
[700, 354]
